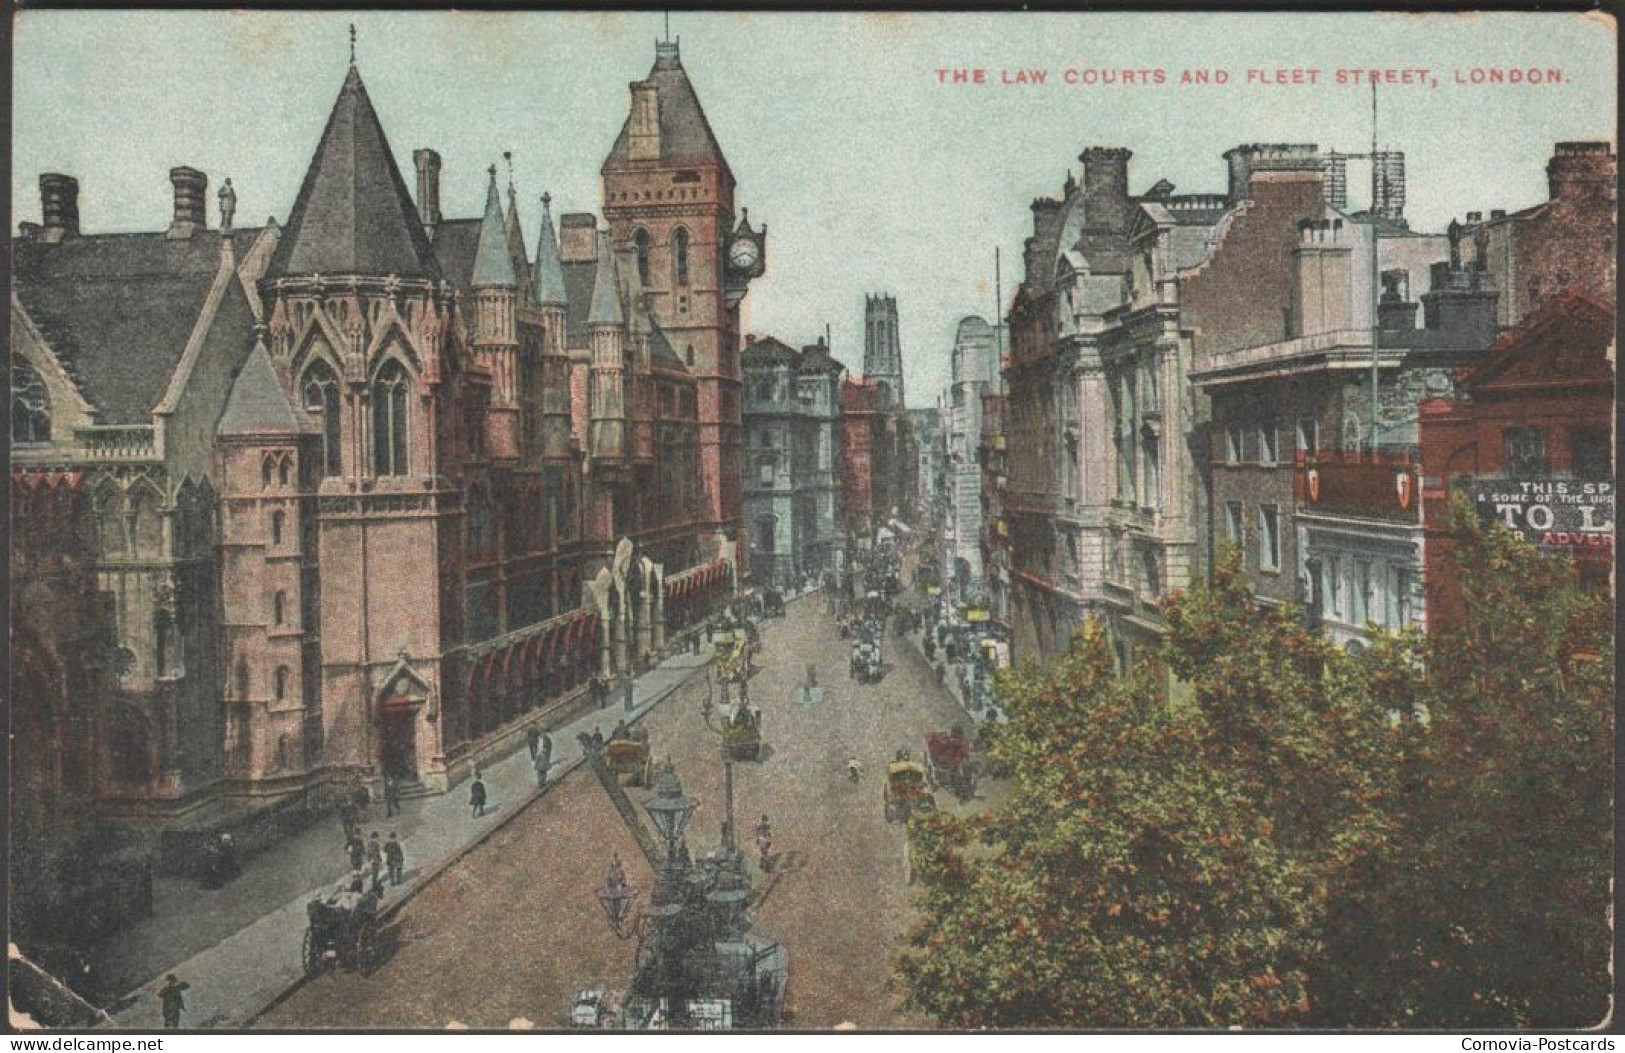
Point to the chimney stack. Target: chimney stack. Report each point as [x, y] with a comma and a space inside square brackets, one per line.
[1105, 188]
[428, 165]
[1582, 168]
[643, 131]
[59, 206]
[191, 201]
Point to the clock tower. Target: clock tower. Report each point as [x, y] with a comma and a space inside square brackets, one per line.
[669, 203]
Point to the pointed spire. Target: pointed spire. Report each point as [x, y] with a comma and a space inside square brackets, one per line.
[352, 43]
[549, 275]
[606, 296]
[492, 264]
[353, 214]
[511, 226]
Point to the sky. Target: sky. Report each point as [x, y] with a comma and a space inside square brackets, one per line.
[870, 174]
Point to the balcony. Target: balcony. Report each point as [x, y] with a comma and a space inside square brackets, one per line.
[1384, 483]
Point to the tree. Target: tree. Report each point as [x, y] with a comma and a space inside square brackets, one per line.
[1489, 906]
[1157, 864]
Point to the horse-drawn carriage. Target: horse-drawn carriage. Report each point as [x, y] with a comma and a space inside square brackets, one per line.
[627, 754]
[742, 732]
[342, 930]
[907, 789]
[866, 661]
[948, 762]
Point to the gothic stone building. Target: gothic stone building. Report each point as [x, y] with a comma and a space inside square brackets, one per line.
[369, 492]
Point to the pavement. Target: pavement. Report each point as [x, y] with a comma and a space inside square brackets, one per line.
[255, 925]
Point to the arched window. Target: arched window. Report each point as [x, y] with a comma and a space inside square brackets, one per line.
[321, 394]
[265, 471]
[690, 354]
[30, 405]
[389, 420]
[279, 605]
[281, 687]
[242, 678]
[679, 255]
[640, 241]
[282, 471]
[277, 519]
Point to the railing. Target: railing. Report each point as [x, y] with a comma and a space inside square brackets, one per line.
[118, 441]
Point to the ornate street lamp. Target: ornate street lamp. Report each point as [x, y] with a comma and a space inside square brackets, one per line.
[669, 808]
[617, 898]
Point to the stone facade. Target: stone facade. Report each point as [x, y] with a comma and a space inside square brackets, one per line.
[790, 487]
[975, 363]
[369, 491]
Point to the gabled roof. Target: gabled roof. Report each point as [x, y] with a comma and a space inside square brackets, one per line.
[117, 311]
[353, 214]
[492, 264]
[1564, 342]
[258, 404]
[685, 134]
[549, 275]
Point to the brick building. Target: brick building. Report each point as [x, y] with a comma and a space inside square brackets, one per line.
[369, 492]
[866, 462]
[1527, 438]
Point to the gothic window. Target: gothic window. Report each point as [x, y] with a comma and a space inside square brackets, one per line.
[679, 255]
[321, 395]
[265, 471]
[30, 405]
[640, 242]
[164, 643]
[242, 678]
[282, 471]
[279, 608]
[277, 519]
[690, 354]
[281, 682]
[389, 420]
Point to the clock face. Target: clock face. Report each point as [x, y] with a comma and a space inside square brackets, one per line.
[742, 254]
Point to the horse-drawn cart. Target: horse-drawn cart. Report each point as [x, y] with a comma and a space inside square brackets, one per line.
[629, 757]
[907, 790]
[342, 930]
[948, 762]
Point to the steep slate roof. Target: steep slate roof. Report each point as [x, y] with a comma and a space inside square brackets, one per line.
[353, 214]
[118, 309]
[579, 278]
[660, 350]
[492, 264]
[606, 298]
[815, 358]
[258, 405]
[549, 274]
[455, 243]
[685, 134]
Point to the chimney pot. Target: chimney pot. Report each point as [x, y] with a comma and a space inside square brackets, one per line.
[59, 206]
[191, 209]
[1498, 213]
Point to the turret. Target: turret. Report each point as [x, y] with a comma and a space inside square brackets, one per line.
[605, 337]
[550, 299]
[496, 341]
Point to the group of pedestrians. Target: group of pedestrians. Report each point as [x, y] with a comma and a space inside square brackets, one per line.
[384, 859]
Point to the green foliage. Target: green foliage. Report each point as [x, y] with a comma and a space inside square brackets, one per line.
[1488, 908]
[1417, 836]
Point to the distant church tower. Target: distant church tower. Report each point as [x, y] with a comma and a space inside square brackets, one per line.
[882, 352]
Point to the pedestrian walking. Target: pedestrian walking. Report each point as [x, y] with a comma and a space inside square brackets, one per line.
[375, 856]
[476, 795]
[392, 797]
[357, 850]
[395, 858]
[173, 998]
[362, 799]
[533, 740]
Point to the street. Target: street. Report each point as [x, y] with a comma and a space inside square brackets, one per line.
[514, 929]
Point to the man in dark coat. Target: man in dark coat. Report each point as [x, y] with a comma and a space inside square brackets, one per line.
[392, 798]
[395, 857]
[476, 795]
[375, 856]
[533, 739]
[171, 996]
[357, 849]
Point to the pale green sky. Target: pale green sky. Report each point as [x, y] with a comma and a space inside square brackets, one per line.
[869, 174]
